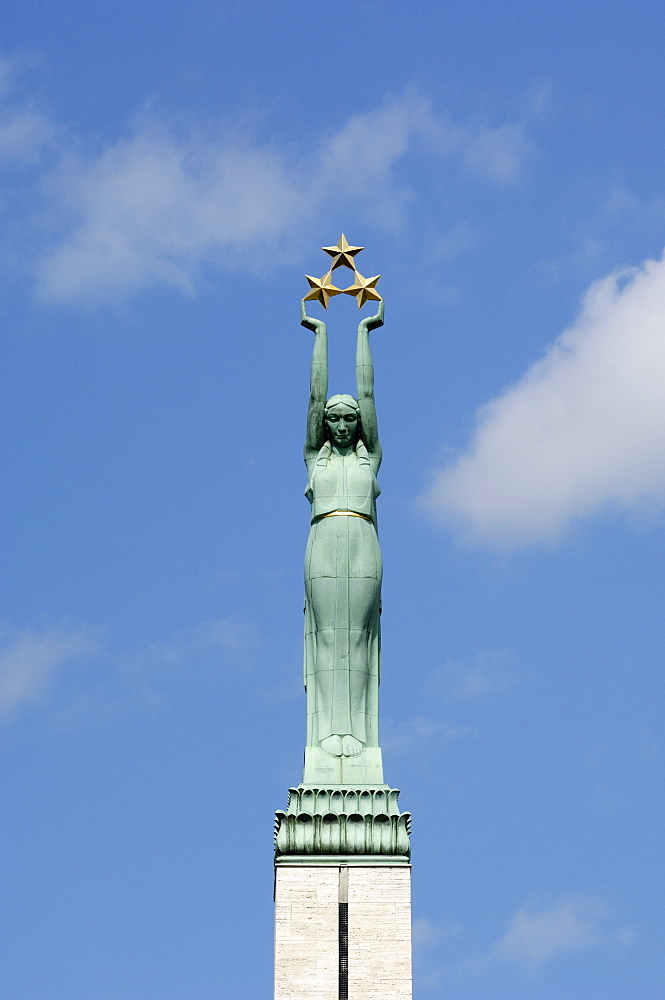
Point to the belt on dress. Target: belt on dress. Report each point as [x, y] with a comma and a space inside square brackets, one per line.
[342, 513]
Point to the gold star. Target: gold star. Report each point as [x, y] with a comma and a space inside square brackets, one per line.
[363, 289]
[343, 254]
[322, 288]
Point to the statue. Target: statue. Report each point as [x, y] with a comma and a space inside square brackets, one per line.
[342, 810]
[343, 568]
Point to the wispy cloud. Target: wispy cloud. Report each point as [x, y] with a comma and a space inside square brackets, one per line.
[71, 671]
[537, 935]
[431, 941]
[31, 662]
[421, 731]
[492, 671]
[498, 153]
[25, 130]
[625, 208]
[204, 642]
[458, 239]
[581, 430]
[425, 932]
[168, 200]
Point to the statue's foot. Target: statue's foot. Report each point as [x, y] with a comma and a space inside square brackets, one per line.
[351, 747]
[332, 745]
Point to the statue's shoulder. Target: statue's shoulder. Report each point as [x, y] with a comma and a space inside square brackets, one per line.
[313, 455]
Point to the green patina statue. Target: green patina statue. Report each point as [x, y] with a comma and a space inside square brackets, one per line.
[342, 812]
[343, 566]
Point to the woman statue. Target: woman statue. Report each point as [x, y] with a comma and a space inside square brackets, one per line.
[343, 567]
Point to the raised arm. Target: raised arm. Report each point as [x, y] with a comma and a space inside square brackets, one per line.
[365, 384]
[318, 384]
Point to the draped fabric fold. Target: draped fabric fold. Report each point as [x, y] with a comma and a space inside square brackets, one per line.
[343, 573]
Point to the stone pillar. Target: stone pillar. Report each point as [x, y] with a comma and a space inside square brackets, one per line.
[379, 933]
[342, 932]
[306, 932]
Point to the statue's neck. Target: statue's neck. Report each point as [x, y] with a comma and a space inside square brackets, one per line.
[343, 452]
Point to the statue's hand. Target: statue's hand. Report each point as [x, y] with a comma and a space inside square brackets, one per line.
[372, 322]
[315, 325]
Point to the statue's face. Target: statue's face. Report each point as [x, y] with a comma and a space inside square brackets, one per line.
[342, 424]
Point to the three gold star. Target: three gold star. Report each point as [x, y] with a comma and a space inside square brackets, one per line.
[343, 254]
[322, 289]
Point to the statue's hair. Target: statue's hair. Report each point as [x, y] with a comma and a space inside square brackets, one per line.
[342, 398]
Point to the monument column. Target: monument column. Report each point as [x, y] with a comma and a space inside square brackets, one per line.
[342, 848]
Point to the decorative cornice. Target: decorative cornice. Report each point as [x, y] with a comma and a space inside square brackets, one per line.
[342, 821]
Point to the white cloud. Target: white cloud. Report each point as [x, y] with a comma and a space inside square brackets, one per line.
[32, 661]
[623, 208]
[581, 430]
[481, 681]
[226, 640]
[536, 936]
[419, 731]
[153, 209]
[425, 932]
[24, 129]
[37, 667]
[498, 153]
[167, 201]
[492, 672]
[433, 946]
[459, 239]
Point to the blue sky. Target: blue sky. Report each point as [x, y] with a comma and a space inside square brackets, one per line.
[168, 173]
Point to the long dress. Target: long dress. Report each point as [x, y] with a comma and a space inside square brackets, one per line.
[343, 571]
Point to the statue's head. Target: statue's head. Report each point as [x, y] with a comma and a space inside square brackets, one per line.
[342, 420]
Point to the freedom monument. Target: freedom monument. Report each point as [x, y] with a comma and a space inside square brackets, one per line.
[342, 849]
